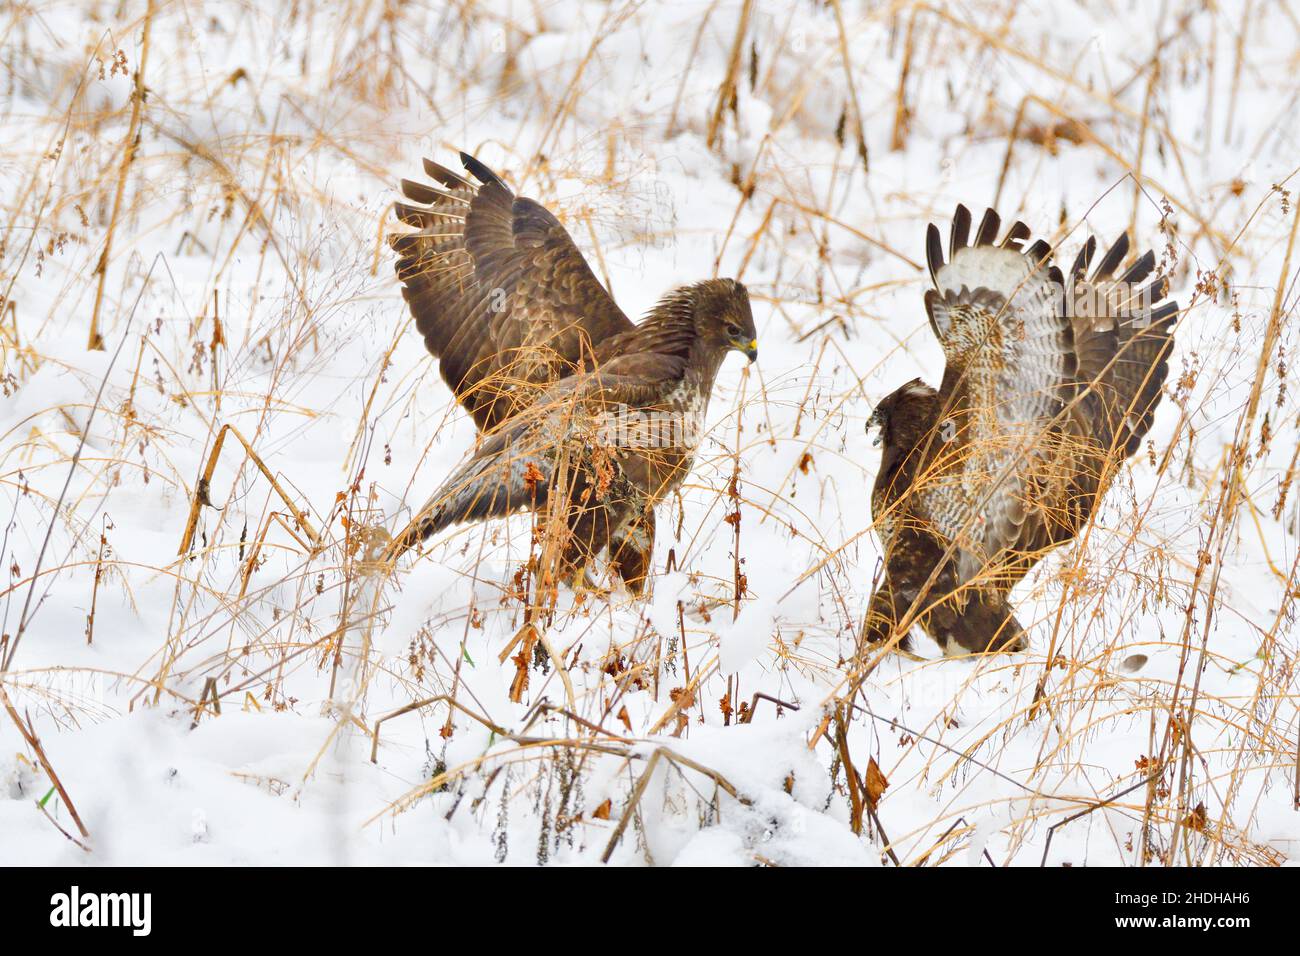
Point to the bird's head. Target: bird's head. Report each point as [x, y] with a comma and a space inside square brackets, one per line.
[915, 395]
[723, 319]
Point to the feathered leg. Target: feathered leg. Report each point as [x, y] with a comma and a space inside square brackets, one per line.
[587, 534]
[885, 610]
[631, 551]
[961, 620]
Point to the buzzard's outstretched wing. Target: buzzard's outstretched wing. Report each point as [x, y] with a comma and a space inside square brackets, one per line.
[1040, 392]
[1123, 363]
[1123, 334]
[1010, 369]
[502, 296]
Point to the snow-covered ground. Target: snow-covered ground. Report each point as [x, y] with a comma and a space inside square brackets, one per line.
[247, 285]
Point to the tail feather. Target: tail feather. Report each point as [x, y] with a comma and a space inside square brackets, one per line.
[496, 482]
[489, 486]
[986, 624]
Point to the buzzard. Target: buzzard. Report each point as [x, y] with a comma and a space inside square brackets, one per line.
[1048, 386]
[582, 414]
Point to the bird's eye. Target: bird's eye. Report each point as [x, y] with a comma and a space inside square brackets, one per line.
[733, 330]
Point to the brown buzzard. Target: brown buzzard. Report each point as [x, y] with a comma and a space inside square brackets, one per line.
[1047, 386]
[582, 413]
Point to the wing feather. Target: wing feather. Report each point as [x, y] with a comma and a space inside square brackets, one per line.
[1050, 400]
[1010, 370]
[501, 294]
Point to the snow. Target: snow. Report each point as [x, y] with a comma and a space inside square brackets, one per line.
[272, 142]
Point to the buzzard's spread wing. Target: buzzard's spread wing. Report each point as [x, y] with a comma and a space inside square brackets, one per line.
[1123, 363]
[1046, 386]
[502, 296]
[1010, 364]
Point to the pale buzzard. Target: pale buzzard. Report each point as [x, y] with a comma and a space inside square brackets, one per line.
[1048, 384]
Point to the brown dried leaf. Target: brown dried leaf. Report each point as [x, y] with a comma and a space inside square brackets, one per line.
[531, 477]
[520, 683]
[685, 699]
[876, 783]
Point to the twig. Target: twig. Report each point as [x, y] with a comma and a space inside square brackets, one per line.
[96, 339]
[28, 733]
[201, 491]
[632, 802]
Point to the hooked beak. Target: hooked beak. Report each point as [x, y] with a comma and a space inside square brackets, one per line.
[750, 348]
[875, 422]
